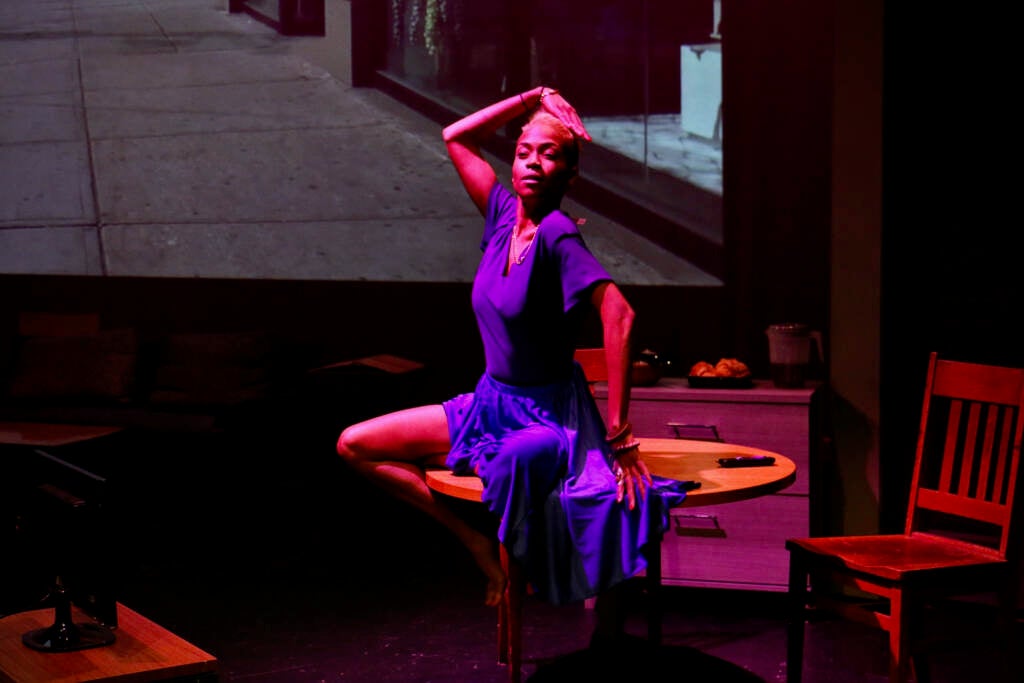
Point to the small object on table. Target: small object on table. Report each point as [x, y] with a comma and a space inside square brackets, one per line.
[648, 368]
[747, 461]
[727, 373]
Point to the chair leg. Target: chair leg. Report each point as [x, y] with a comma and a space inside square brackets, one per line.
[1007, 596]
[899, 637]
[654, 606]
[922, 670]
[503, 629]
[510, 613]
[797, 619]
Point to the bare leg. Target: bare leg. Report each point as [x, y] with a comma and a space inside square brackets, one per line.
[390, 451]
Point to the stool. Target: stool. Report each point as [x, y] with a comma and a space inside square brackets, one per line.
[510, 609]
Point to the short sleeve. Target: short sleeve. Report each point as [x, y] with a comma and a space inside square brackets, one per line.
[501, 207]
[579, 269]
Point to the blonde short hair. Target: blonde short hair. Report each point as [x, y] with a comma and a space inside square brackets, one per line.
[567, 141]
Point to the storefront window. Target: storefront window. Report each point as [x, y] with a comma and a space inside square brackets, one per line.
[645, 75]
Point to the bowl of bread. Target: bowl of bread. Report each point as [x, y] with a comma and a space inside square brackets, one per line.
[727, 373]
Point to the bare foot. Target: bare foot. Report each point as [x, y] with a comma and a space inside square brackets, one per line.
[495, 590]
[485, 552]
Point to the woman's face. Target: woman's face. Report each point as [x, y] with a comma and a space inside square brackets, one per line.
[540, 170]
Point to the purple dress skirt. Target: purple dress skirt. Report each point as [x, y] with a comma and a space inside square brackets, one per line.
[546, 469]
[531, 428]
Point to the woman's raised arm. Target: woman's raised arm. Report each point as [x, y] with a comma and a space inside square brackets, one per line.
[466, 137]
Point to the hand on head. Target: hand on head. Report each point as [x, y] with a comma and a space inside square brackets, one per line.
[559, 107]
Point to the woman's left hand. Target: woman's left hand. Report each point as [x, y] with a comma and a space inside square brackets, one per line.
[631, 477]
[556, 105]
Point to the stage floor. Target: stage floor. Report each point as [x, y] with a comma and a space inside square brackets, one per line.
[270, 555]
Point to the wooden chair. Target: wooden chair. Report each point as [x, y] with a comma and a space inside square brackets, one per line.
[957, 533]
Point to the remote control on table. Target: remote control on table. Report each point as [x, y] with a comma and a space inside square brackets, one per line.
[747, 461]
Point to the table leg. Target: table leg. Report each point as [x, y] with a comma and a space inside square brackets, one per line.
[654, 606]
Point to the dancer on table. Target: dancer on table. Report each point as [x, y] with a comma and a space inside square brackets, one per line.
[574, 504]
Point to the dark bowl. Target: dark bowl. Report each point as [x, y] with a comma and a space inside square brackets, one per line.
[645, 374]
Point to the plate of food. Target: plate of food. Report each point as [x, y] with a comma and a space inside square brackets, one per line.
[727, 373]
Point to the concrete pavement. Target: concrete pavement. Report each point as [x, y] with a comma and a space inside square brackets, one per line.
[172, 138]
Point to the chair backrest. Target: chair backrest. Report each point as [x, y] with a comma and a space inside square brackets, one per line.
[592, 360]
[968, 451]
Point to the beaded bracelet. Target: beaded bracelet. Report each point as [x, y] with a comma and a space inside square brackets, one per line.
[624, 429]
[625, 448]
[544, 92]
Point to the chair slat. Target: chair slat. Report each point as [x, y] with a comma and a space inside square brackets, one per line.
[969, 448]
[987, 454]
[970, 508]
[1003, 459]
[949, 448]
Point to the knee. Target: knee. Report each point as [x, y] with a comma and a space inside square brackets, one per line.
[532, 448]
[348, 445]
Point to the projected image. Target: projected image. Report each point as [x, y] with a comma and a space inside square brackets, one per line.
[142, 155]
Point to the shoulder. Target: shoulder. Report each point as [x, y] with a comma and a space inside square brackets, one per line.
[500, 214]
[558, 226]
[500, 200]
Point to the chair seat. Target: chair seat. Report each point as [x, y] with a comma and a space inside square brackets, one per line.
[897, 557]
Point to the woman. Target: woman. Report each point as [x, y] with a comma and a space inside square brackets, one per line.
[575, 503]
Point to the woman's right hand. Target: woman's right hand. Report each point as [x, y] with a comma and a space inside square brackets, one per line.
[552, 102]
[632, 478]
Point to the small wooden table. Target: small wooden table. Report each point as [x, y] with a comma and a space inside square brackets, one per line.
[50, 433]
[21, 437]
[143, 652]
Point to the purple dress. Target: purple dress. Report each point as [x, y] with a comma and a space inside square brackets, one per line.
[531, 429]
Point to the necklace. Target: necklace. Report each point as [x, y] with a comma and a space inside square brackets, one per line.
[518, 256]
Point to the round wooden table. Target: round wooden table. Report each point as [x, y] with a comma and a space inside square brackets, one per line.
[682, 459]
